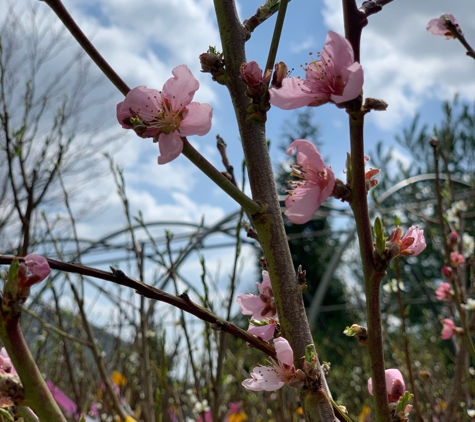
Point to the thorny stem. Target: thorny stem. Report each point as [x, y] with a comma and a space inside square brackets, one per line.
[58, 8]
[182, 302]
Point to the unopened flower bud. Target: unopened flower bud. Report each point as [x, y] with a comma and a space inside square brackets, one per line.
[448, 273]
[453, 238]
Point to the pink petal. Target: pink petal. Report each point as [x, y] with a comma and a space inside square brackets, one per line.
[437, 27]
[293, 94]
[265, 332]
[447, 329]
[307, 151]
[70, 408]
[142, 101]
[251, 305]
[180, 89]
[283, 350]
[38, 267]
[170, 147]
[196, 119]
[264, 378]
[265, 282]
[419, 243]
[391, 375]
[302, 204]
[340, 50]
[353, 86]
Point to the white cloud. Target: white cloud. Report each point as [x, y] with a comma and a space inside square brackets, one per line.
[304, 46]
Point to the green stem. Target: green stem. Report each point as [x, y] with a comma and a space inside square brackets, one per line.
[37, 394]
[224, 183]
[276, 36]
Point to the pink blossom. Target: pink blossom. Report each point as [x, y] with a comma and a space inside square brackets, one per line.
[271, 378]
[166, 115]
[437, 26]
[444, 291]
[456, 259]
[70, 408]
[315, 184]
[336, 77]
[448, 329]
[38, 267]
[412, 243]
[265, 332]
[394, 385]
[262, 306]
[6, 365]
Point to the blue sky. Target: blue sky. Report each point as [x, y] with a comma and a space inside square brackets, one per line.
[144, 40]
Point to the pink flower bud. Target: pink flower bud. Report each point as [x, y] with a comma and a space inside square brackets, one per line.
[413, 242]
[394, 385]
[453, 237]
[448, 273]
[38, 267]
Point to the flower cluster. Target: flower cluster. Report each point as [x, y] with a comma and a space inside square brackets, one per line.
[277, 374]
[166, 115]
[263, 324]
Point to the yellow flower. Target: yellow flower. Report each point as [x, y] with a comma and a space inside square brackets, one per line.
[364, 412]
[299, 411]
[237, 417]
[118, 379]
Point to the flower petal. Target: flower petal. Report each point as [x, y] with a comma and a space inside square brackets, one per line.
[353, 86]
[170, 147]
[293, 94]
[283, 351]
[265, 332]
[302, 204]
[264, 378]
[180, 89]
[196, 119]
[306, 152]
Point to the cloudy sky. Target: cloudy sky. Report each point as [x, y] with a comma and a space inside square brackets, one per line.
[144, 40]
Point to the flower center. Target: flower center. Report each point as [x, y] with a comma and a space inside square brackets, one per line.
[167, 119]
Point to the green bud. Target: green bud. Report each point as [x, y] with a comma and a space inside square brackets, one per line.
[378, 231]
[403, 402]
